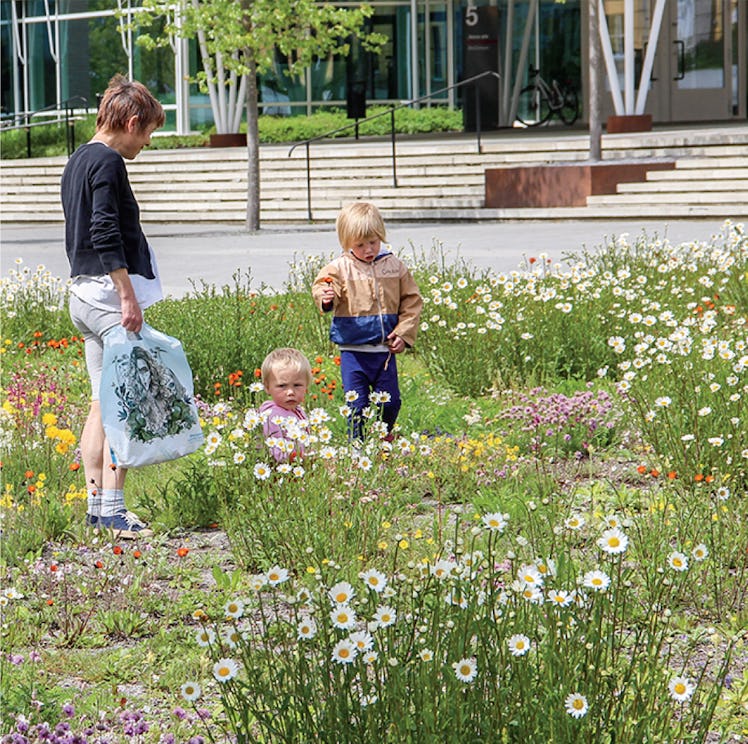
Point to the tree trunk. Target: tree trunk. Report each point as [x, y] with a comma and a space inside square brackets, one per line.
[253, 150]
[596, 129]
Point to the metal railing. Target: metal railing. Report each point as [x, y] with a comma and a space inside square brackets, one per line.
[68, 120]
[391, 113]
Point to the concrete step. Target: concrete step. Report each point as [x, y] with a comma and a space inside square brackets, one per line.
[681, 187]
[438, 178]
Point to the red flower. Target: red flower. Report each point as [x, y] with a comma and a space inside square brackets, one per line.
[99, 564]
[182, 552]
[53, 567]
[117, 550]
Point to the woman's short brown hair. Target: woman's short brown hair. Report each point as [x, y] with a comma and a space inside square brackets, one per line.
[124, 99]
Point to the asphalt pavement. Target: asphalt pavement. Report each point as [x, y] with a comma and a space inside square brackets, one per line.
[213, 253]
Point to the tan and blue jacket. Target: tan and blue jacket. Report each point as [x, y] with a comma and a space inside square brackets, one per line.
[372, 299]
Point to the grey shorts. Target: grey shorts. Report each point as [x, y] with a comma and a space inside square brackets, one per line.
[93, 323]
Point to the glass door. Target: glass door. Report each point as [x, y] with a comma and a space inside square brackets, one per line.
[699, 60]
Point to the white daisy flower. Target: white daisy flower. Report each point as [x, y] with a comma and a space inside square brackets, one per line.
[700, 552]
[205, 637]
[598, 581]
[276, 575]
[225, 669]
[681, 689]
[385, 616]
[495, 522]
[519, 644]
[613, 541]
[191, 691]
[374, 579]
[262, 471]
[677, 561]
[341, 593]
[576, 705]
[306, 629]
[234, 608]
[343, 617]
[466, 670]
[344, 651]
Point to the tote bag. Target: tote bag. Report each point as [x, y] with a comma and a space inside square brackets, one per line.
[147, 398]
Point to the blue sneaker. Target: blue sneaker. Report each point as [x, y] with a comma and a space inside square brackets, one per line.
[124, 524]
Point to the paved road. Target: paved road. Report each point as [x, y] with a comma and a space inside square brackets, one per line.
[213, 253]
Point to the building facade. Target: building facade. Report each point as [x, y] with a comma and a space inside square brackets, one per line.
[54, 51]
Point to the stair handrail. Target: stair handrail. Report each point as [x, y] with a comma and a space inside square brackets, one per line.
[68, 119]
[391, 113]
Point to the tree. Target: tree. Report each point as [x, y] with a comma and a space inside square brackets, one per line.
[239, 39]
[595, 87]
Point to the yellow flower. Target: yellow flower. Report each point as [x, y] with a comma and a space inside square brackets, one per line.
[403, 544]
[382, 545]
[49, 419]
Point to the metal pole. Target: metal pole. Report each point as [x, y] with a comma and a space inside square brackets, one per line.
[477, 113]
[308, 185]
[394, 155]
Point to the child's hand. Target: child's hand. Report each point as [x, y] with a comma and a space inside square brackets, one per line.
[395, 343]
[328, 293]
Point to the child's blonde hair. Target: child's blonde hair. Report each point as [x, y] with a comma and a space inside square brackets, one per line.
[285, 359]
[359, 221]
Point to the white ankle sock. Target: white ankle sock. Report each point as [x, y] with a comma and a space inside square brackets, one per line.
[94, 501]
[112, 501]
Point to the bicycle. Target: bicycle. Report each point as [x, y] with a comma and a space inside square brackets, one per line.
[539, 101]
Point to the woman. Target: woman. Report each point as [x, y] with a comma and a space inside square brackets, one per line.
[113, 269]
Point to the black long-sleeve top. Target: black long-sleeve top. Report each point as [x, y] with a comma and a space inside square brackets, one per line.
[102, 218]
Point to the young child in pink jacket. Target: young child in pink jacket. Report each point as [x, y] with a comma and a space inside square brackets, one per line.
[286, 375]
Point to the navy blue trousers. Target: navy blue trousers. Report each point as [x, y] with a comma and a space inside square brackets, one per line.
[366, 373]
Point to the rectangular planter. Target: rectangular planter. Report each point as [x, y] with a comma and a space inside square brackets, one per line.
[562, 185]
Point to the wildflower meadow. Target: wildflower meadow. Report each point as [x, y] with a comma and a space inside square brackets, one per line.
[554, 547]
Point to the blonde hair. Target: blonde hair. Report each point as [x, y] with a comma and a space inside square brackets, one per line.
[285, 359]
[359, 221]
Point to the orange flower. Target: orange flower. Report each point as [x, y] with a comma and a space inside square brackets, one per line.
[37, 334]
[136, 553]
[672, 475]
[709, 478]
[698, 477]
[532, 259]
[182, 552]
[641, 469]
[31, 488]
[99, 564]
[75, 466]
[28, 474]
[53, 567]
[258, 373]
[50, 602]
[117, 550]
[336, 360]
[654, 473]
[318, 360]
